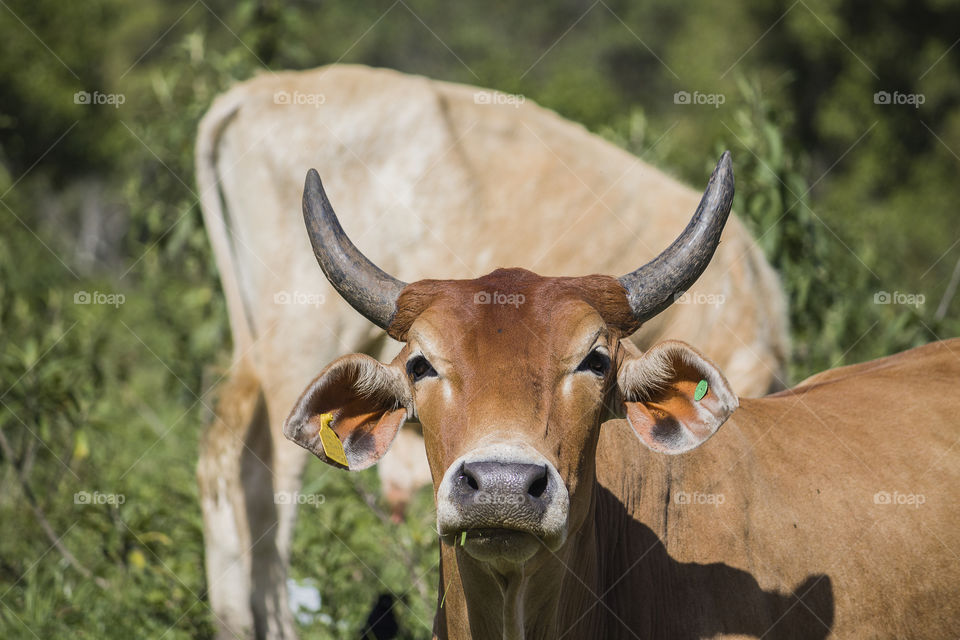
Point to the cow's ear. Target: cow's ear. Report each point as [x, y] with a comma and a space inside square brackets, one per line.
[673, 397]
[364, 402]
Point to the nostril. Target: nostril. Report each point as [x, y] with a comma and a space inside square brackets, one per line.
[467, 478]
[539, 485]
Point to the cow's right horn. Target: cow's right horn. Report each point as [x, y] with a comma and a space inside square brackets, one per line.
[365, 286]
[654, 286]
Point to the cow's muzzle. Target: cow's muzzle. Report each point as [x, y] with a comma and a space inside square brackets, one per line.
[503, 502]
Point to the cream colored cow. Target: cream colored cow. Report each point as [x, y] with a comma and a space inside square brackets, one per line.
[433, 179]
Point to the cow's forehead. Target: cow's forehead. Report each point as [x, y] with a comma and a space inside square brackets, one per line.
[508, 327]
[513, 303]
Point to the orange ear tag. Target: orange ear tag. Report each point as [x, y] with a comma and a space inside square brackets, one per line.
[332, 447]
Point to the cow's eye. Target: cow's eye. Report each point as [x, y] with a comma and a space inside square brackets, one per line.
[597, 363]
[418, 368]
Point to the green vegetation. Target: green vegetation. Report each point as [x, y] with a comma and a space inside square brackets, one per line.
[102, 405]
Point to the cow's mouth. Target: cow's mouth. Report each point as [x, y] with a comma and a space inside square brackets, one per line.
[495, 544]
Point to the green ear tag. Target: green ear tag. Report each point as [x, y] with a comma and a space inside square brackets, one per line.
[463, 538]
[701, 390]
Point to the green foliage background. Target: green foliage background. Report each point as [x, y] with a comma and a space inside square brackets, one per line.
[847, 197]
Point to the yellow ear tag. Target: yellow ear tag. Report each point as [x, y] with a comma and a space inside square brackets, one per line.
[332, 447]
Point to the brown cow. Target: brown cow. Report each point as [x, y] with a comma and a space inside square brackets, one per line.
[437, 178]
[827, 509]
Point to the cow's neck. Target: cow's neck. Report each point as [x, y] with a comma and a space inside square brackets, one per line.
[525, 603]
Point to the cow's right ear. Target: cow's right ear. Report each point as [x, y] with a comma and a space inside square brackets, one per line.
[363, 401]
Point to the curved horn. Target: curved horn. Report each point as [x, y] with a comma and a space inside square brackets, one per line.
[654, 286]
[368, 289]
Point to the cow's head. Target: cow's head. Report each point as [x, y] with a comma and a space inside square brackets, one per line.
[511, 375]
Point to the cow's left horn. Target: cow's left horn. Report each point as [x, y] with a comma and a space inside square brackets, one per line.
[367, 288]
[654, 286]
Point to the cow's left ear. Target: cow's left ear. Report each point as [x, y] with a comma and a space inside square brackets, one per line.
[673, 397]
[350, 414]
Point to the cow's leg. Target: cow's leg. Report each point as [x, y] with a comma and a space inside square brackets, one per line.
[272, 523]
[272, 617]
[240, 418]
[273, 519]
[290, 461]
[272, 555]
